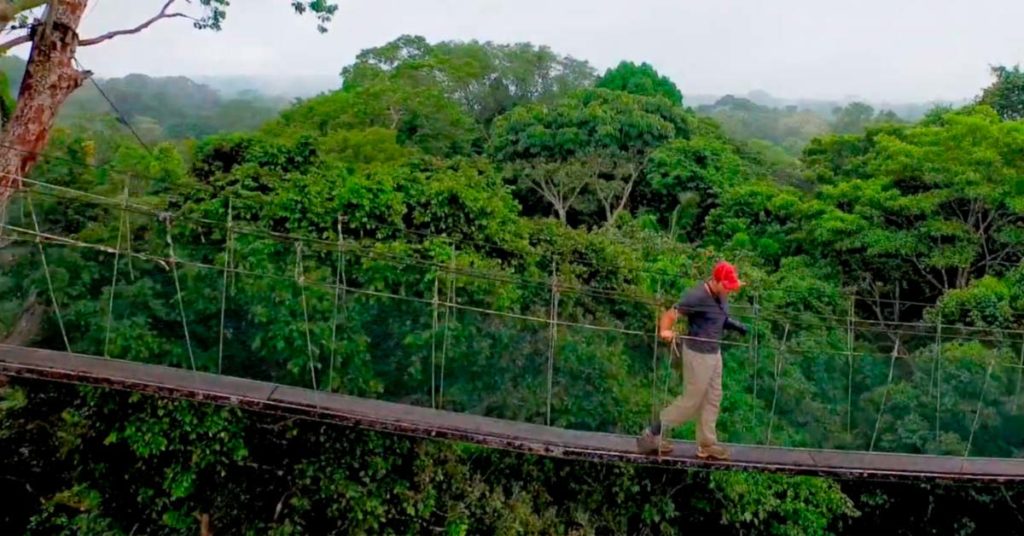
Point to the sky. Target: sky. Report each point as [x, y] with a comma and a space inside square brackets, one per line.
[892, 50]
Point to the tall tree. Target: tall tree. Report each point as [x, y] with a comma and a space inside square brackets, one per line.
[852, 118]
[929, 208]
[485, 79]
[1006, 94]
[51, 27]
[608, 135]
[641, 80]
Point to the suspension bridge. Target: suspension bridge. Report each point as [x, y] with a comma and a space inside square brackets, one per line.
[496, 433]
[216, 386]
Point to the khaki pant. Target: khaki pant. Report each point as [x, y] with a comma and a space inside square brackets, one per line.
[702, 374]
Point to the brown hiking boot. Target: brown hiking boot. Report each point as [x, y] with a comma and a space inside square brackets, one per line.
[648, 443]
[716, 452]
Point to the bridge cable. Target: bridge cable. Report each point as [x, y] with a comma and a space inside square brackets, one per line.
[339, 283]
[754, 349]
[300, 278]
[1020, 373]
[433, 347]
[554, 333]
[113, 278]
[938, 378]
[654, 359]
[121, 117]
[449, 315]
[849, 367]
[224, 292]
[177, 287]
[885, 394]
[981, 401]
[454, 305]
[174, 261]
[46, 272]
[779, 360]
[583, 289]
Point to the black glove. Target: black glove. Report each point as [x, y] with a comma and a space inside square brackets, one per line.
[734, 325]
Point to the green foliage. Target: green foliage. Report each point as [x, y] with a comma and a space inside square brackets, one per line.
[485, 80]
[215, 12]
[6, 100]
[1006, 94]
[596, 141]
[690, 175]
[439, 164]
[640, 80]
[931, 206]
[771, 504]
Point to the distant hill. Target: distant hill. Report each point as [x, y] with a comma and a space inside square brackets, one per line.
[910, 111]
[288, 87]
[172, 107]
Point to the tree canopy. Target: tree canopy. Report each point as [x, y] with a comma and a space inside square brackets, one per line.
[640, 80]
[460, 218]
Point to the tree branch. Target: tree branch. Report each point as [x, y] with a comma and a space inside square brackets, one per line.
[110, 35]
[20, 40]
[939, 286]
[10, 10]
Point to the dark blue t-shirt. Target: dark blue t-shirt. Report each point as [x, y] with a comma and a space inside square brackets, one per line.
[705, 317]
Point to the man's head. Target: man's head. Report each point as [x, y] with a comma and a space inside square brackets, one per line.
[724, 280]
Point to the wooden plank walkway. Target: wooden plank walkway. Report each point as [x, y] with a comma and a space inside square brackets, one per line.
[496, 433]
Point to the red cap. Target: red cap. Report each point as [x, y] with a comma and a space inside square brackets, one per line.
[725, 274]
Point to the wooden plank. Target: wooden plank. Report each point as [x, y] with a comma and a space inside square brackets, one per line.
[522, 437]
[156, 379]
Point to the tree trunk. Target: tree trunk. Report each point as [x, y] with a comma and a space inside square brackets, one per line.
[50, 78]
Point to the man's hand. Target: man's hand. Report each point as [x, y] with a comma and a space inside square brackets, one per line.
[667, 335]
[736, 326]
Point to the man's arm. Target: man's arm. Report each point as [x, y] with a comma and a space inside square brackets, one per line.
[735, 326]
[668, 319]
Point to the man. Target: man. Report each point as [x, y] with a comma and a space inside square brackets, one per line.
[707, 315]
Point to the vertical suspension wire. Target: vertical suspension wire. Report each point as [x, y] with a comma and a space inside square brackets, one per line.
[938, 376]
[128, 235]
[779, 360]
[113, 279]
[885, 394]
[449, 314]
[1020, 371]
[339, 288]
[849, 365]
[177, 287]
[755, 349]
[674, 356]
[433, 347]
[300, 279]
[654, 358]
[981, 402]
[554, 335]
[46, 272]
[224, 290]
